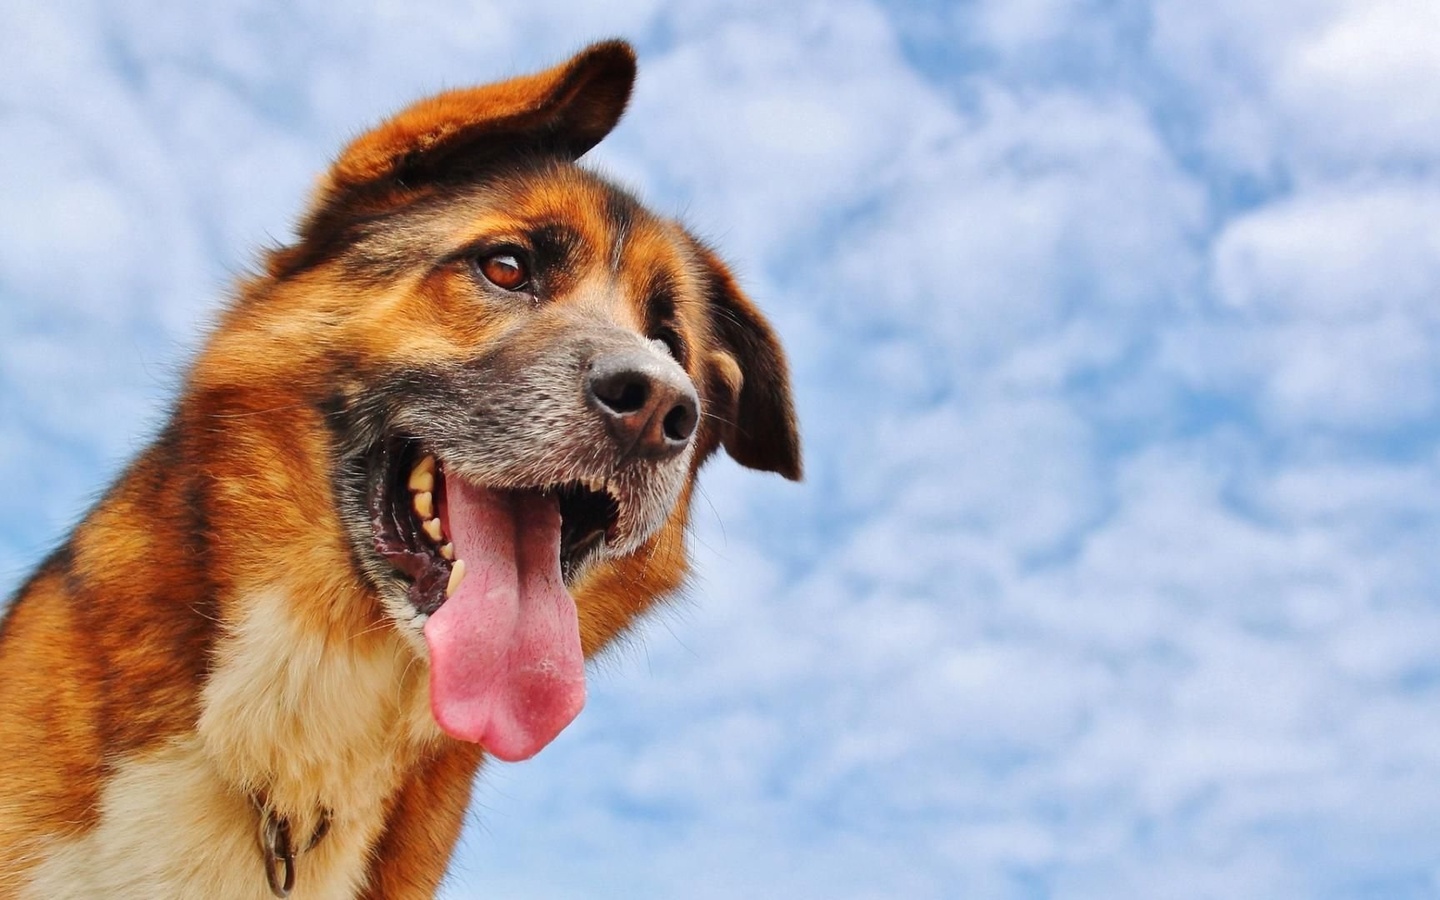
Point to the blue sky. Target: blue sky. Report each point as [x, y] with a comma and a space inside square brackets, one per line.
[1117, 349]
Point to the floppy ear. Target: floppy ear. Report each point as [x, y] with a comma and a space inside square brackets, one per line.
[758, 428]
[564, 110]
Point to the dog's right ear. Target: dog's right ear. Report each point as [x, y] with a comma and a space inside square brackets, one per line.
[564, 110]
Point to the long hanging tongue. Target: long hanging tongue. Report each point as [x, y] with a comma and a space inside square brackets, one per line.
[506, 668]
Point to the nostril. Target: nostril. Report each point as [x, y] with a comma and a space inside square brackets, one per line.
[623, 392]
[648, 408]
[680, 421]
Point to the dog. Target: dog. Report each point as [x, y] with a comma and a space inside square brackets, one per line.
[436, 453]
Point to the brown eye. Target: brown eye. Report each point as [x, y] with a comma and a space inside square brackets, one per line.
[505, 270]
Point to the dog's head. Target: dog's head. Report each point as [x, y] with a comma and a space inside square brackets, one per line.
[521, 369]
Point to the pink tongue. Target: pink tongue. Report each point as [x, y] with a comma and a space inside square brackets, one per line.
[506, 668]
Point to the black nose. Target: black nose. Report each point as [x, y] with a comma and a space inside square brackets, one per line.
[648, 409]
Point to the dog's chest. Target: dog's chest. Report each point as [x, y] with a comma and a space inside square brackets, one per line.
[309, 724]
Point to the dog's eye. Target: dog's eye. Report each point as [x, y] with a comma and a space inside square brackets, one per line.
[505, 270]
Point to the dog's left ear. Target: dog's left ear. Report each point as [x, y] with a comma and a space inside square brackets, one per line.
[564, 110]
[750, 378]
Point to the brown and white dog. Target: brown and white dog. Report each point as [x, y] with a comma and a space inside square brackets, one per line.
[437, 454]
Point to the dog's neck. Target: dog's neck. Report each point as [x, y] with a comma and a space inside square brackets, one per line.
[314, 720]
[320, 727]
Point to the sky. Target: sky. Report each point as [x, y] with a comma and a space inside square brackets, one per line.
[1116, 345]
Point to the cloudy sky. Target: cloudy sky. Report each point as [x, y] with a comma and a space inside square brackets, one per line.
[1116, 331]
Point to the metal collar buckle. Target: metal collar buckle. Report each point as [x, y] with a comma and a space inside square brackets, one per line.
[277, 851]
[279, 854]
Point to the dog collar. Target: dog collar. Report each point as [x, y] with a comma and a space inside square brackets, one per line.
[277, 850]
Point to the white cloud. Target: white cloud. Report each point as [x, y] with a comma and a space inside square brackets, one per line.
[1335, 254]
[807, 111]
[1367, 83]
[1007, 26]
[1035, 210]
[1328, 306]
[1327, 86]
[1016, 470]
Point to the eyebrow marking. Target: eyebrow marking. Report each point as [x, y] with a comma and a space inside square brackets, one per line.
[555, 243]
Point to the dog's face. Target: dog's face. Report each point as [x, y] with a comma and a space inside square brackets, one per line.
[524, 369]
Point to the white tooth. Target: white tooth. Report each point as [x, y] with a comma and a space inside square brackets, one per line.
[425, 504]
[432, 528]
[457, 575]
[422, 477]
[447, 551]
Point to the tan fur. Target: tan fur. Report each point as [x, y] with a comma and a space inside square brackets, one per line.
[168, 826]
[222, 639]
[315, 727]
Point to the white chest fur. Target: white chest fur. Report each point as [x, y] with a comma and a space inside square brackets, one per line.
[308, 721]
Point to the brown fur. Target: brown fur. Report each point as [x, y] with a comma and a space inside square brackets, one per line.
[211, 632]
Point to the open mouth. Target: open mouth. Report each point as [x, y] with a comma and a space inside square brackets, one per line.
[410, 518]
[489, 571]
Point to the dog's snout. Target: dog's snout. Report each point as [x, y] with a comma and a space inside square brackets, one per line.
[649, 410]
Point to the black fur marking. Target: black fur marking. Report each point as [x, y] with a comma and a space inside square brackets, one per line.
[622, 210]
[661, 320]
[560, 255]
[353, 224]
[200, 541]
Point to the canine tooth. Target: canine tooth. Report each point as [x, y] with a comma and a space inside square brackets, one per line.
[425, 504]
[447, 551]
[432, 528]
[422, 477]
[457, 575]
